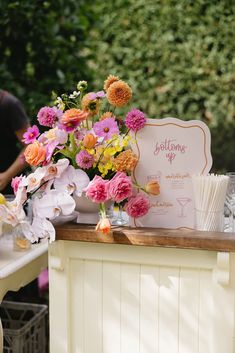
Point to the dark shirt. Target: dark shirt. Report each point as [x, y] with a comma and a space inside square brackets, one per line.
[12, 118]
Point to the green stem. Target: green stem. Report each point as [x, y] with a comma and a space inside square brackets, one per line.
[73, 147]
[138, 186]
[72, 141]
[102, 210]
[126, 133]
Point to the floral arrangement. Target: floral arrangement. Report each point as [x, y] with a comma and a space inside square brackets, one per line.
[84, 151]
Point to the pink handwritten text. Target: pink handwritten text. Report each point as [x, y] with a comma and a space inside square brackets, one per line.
[170, 147]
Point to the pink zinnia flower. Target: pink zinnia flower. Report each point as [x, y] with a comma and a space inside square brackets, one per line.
[15, 183]
[120, 187]
[135, 120]
[137, 206]
[84, 159]
[106, 128]
[31, 134]
[97, 190]
[47, 116]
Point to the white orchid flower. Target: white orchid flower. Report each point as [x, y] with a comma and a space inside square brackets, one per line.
[40, 228]
[53, 204]
[34, 180]
[72, 180]
[55, 170]
[20, 196]
[11, 214]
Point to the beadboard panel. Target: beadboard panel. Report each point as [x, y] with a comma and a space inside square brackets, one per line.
[125, 308]
[170, 302]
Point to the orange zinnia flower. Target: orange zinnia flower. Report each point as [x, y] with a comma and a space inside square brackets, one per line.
[109, 81]
[103, 226]
[125, 161]
[73, 115]
[119, 93]
[106, 115]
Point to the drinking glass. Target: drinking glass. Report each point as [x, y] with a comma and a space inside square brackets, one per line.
[230, 201]
[120, 220]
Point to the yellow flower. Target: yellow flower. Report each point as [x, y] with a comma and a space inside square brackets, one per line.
[109, 151]
[2, 199]
[98, 152]
[105, 167]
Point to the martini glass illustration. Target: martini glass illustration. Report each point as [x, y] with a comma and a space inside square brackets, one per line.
[183, 201]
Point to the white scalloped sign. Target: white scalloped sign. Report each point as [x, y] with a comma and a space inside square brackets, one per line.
[171, 151]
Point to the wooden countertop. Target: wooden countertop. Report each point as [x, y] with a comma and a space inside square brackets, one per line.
[174, 238]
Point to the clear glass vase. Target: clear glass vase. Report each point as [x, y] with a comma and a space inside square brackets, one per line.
[20, 242]
[88, 211]
[119, 220]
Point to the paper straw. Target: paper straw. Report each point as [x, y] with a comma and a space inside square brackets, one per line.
[209, 194]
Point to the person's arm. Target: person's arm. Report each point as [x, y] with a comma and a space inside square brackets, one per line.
[17, 166]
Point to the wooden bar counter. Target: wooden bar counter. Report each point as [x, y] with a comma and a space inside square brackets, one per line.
[180, 238]
[141, 290]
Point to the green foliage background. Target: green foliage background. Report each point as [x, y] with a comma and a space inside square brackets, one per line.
[178, 56]
[40, 45]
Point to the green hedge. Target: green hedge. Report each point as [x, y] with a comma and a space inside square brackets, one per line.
[178, 55]
[40, 45]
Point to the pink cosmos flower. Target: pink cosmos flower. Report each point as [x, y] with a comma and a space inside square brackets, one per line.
[92, 96]
[31, 134]
[15, 183]
[97, 190]
[106, 128]
[47, 116]
[137, 206]
[97, 95]
[56, 134]
[120, 187]
[50, 148]
[135, 120]
[100, 94]
[84, 159]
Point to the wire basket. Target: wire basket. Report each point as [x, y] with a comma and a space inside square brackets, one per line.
[24, 327]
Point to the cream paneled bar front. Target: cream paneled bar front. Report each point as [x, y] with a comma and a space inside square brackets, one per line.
[142, 290]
